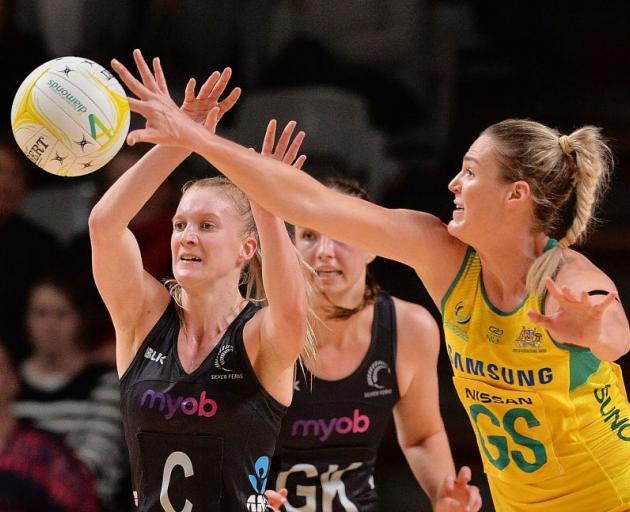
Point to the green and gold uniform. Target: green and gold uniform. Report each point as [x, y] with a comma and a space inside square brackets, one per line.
[552, 421]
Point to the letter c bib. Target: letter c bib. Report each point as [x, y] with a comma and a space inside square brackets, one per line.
[178, 465]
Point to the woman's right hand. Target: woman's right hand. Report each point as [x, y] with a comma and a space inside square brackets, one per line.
[166, 123]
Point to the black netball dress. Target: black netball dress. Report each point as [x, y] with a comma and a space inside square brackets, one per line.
[331, 433]
[200, 441]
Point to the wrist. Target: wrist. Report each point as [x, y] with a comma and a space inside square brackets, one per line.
[198, 139]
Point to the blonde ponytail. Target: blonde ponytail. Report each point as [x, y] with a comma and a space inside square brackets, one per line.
[557, 167]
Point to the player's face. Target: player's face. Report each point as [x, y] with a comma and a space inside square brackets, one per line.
[52, 321]
[480, 194]
[207, 243]
[340, 267]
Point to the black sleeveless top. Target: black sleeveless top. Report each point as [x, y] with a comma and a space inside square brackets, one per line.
[330, 435]
[200, 441]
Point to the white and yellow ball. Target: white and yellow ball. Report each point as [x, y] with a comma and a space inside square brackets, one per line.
[70, 116]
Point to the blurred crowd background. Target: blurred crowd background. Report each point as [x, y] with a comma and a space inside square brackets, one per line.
[391, 92]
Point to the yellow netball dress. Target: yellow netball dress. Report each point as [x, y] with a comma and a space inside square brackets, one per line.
[552, 421]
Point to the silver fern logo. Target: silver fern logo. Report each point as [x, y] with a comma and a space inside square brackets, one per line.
[220, 361]
[225, 362]
[372, 374]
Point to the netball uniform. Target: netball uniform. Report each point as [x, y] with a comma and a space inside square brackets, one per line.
[199, 441]
[552, 421]
[330, 435]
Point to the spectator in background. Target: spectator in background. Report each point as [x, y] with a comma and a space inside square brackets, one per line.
[64, 392]
[37, 472]
[27, 251]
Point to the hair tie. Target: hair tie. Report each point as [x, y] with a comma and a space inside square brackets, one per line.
[563, 243]
[565, 145]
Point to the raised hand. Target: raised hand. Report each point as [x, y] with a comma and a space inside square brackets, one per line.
[197, 106]
[457, 495]
[276, 499]
[578, 320]
[166, 123]
[285, 152]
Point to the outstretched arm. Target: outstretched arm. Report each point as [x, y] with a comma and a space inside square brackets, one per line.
[126, 288]
[419, 425]
[283, 322]
[415, 238]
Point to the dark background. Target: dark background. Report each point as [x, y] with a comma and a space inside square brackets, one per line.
[472, 63]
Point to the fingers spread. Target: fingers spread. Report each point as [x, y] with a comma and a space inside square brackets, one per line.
[568, 294]
[230, 101]
[134, 85]
[474, 499]
[300, 162]
[464, 475]
[283, 141]
[212, 119]
[189, 92]
[294, 148]
[270, 137]
[139, 106]
[159, 75]
[221, 84]
[553, 289]
[449, 484]
[145, 72]
[208, 85]
[534, 316]
[607, 301]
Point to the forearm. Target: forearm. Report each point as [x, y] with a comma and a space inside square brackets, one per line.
[301, 200]
[431, 462]
[276, 186]
[282, 274]
[124, 199]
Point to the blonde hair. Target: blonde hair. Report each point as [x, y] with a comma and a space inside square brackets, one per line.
[562, 171]
[251, 273]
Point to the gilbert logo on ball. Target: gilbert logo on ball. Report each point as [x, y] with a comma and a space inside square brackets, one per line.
[70, 116]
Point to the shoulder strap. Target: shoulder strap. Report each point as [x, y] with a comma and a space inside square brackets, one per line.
[384, 328]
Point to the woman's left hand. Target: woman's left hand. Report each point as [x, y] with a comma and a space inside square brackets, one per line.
[578, 320]
[457, 495]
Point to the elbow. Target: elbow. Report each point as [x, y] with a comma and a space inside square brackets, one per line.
[295, 317]
[95, 220]
[294, 322]
[97, 223]
[102, 224]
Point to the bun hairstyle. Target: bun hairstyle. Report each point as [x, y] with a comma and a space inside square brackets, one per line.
[563, 171]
